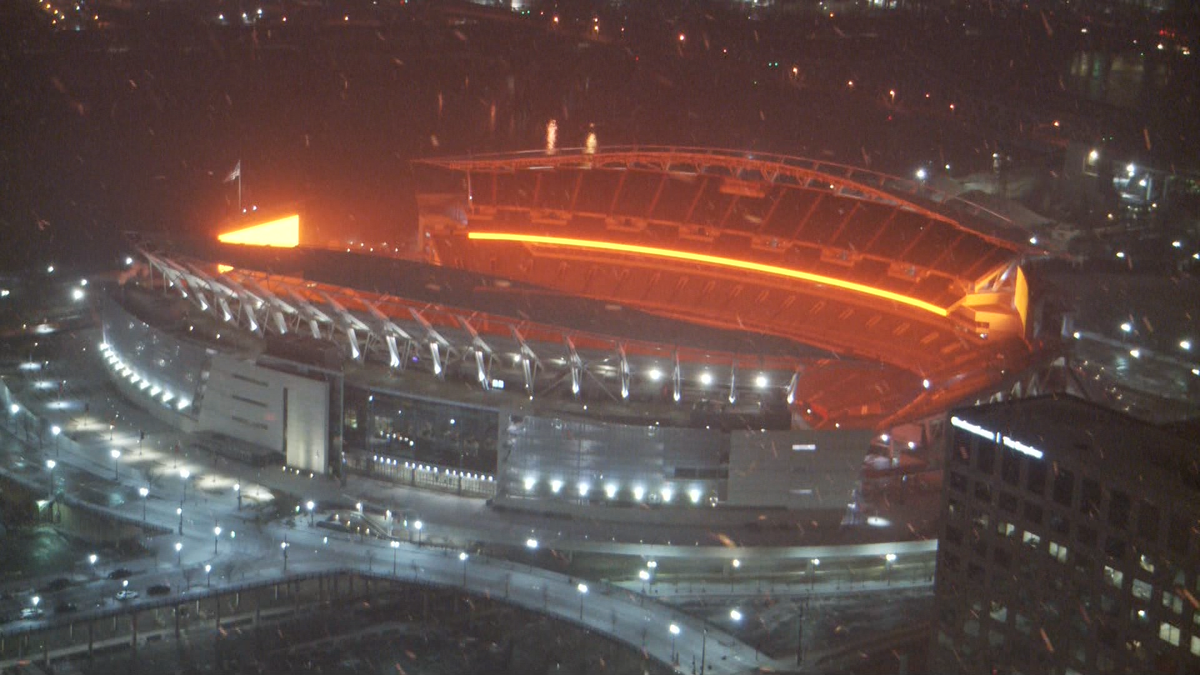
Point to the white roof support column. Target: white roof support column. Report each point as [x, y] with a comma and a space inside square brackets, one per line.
[530, 363]
[248, 303]
[436, 342]
[576, 364]
[676, 380]
[624, 373]
[351, 325]
[312, 315]
[481, 349]
[392, 334]
[791, 388]
[733, 383]
[277, 310]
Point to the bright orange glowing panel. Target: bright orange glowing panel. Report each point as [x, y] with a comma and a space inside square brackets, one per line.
[718, 261]
[222, 269]
[284, 233]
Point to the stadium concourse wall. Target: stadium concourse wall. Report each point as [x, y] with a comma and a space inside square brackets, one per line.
[193, 388]
[562, 464]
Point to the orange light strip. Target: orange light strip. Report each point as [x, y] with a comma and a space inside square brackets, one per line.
[719, 261]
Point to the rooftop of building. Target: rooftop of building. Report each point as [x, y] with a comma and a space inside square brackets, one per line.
[1080, 433]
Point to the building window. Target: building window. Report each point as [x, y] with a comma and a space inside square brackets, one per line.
[1058, 552]
[1089, 498]
[1147, 521]
[1145, 563]
[1010, 467]
[1114, 547]
[999, 612]
[1064, 486]
[1008, 502]
[1172, 602]
[1030, 539]
[1033, 513]
[1142, 590]
[1168, 633]
[985, 456]
[1036, 478]
[1059, 524]
[958, 481]
[1119, 508]
[1114, 577]
[1022, 623]
[1005, 529]
[1195, 646]
[1177, 534]
[983, 492]
[962, 450]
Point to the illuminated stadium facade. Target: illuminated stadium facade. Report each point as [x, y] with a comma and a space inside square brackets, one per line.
[631, 325]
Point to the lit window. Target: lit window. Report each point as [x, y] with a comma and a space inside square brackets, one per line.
[1058, 552]
[1168, 633]
[1005, 529]
[1115, 578]
[1173, 602]
[1031, 539]
[1141, 589]
[1195, 646]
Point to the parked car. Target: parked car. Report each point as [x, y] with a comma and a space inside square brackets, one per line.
[125, 594]
[120, 573]
[159, 589]
[58, 584]
[65, 608]
[31, 613]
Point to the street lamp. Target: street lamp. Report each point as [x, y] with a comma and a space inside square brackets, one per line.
[735, 614]
[644, 576]
[812, 577]
[673, 629]
[179, 553]
[92, 558]
[55, 431]
[216, 538]
[179, 512]
[887, 566]
[531, 543]
[734, 567]
[237, 488]
[462, 555]
[184, 474]
[116, 455]
[418, 526]
[144, 492]
[50, 464]
[310, 505]
[12, 416]
[208, 575]
[395, 547]
[583, 589]
[284, 546]
[36, 600]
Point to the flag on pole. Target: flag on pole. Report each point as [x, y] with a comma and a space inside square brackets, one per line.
[235, 174]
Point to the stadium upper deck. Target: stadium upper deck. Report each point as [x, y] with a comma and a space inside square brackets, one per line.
[852, 261]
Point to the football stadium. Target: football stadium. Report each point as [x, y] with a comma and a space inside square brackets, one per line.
[660, 326]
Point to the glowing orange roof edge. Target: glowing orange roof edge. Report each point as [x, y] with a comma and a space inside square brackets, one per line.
[706, 259]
